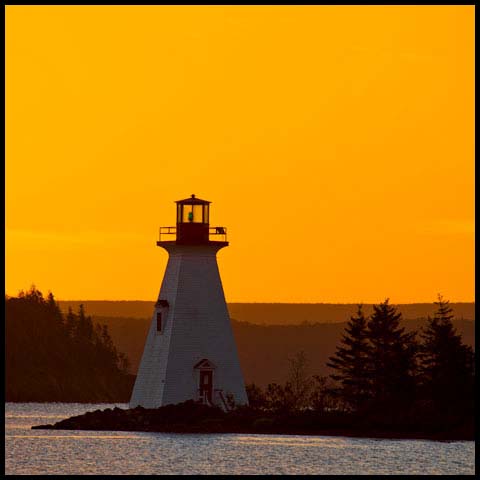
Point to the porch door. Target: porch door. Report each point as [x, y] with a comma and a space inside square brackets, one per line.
[206, 384]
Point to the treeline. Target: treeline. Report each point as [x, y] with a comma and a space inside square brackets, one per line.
[385, 377]
[51, 356]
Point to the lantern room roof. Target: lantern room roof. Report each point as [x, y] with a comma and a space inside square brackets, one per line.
[193, 200]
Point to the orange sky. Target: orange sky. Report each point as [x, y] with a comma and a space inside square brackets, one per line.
[336, 144]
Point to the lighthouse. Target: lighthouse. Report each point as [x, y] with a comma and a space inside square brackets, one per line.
[190, 351]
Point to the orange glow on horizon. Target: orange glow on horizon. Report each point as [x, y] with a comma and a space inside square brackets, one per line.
[336, 144]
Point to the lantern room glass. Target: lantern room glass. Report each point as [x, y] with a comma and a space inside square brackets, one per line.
[192, 213]
[205, 213]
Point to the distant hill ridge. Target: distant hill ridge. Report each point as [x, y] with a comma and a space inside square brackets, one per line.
[263, 349]
[268, 313]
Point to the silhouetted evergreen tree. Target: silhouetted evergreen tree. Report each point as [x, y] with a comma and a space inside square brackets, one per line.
[70, 323]
[446, 365]
[391, 361]
[351, 362]
[85, 324]
[55, 309]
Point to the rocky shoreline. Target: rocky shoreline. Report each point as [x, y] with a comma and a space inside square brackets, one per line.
[191, 417]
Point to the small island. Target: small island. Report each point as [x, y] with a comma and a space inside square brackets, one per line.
[194, 417]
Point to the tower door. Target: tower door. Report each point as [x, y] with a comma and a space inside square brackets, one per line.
[206, 385]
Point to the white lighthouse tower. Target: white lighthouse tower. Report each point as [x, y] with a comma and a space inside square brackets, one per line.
[190, 352]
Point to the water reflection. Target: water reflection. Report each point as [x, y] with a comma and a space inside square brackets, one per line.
[294, 441]
[50, 452]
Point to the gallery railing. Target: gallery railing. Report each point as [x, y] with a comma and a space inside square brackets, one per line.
[218, 234]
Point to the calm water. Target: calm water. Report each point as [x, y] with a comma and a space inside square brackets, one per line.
[84, 452]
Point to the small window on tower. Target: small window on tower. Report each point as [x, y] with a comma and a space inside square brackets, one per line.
[159, 321]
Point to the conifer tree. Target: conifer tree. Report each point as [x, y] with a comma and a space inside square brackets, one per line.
[51, 301]
[70, 323]
[391, 357]
[446, 364]
[351, 361]
[55, 310]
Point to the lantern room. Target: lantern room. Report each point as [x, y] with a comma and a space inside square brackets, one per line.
[192, 220]
[192, 210]
[193, 225]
